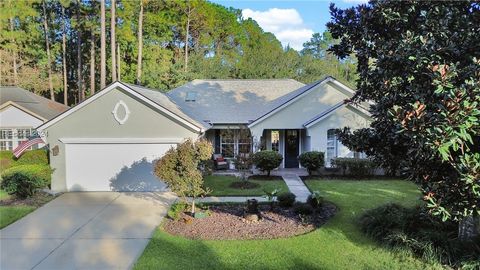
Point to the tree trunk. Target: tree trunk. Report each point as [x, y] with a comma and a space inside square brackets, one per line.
[140, 43]
[81, 91]
[113, 46]
[469, 228]
[103, 66]
[47, 43]
[92, 64]
[118, 61]
[185, 67]
[64, 58]
[14, 55]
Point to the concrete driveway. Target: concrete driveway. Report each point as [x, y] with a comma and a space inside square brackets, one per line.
[84, 230]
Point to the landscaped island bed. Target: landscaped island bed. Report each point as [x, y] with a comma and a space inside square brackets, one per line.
[226, 222]
[338, 244]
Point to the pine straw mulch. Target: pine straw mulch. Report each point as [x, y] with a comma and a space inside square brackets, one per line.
[38, 199]
[226, 222]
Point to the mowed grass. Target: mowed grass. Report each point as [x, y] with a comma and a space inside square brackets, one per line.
[10, 214]
[220, 186]
[337, 245]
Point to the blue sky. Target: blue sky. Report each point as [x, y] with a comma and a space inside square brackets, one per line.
[292, 22]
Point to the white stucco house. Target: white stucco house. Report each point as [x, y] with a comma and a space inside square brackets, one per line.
[22, 111]
[109, 141]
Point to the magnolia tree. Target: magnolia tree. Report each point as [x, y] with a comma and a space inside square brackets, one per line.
[179, 168]
[419, 63]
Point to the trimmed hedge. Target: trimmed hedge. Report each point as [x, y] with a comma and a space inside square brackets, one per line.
[7, 160]
[354, 166]
[267, 160]
[312, 160]
[24, 180]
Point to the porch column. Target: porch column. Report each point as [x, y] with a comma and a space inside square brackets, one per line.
[256, 133]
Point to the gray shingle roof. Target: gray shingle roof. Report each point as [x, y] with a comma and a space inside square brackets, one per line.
[233, 101]
[39, 105]
[162, 100]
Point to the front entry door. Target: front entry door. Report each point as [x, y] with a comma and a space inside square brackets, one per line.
[291, 148]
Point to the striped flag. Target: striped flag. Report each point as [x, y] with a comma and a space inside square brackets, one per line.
[17, 152]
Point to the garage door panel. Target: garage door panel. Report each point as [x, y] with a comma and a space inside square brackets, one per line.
[113, 167]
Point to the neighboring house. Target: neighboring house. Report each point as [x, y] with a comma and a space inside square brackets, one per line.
[110, 140]
[21, 112]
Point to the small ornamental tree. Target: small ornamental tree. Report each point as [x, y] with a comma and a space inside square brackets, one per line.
[267, 160]
[418, 62]
[179, 168]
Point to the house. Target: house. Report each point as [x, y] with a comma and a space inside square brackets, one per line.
[110, 140]
[21, 111]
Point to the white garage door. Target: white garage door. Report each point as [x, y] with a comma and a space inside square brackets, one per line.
[113, 167]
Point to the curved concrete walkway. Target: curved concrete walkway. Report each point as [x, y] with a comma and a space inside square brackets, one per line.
[84, 230]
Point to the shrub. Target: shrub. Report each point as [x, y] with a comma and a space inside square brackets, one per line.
[303, 209]
[313, 160]
[24, 180]
[315, 199]
[267, 160]
[354, 166]
[415, 231]
[39, 156]
[7, 160]
[177, 209]
[286, 199]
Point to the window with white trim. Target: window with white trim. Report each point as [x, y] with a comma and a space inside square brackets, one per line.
[10, 138]
[332, 146]
[235, 141]
[227, 143]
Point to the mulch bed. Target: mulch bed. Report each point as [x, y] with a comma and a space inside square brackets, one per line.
[264, 177]
[226, 222]
[244, 185]
[37, 200]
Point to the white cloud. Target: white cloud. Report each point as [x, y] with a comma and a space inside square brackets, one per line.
[286, 24]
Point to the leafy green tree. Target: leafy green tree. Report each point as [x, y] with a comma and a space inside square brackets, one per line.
[179, 168]
[419, 63]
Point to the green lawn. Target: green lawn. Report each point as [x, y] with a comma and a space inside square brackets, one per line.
[337, 245]
[10, 214]
[220, 186]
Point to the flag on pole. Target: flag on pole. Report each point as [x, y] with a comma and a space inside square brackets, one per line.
[17, 152]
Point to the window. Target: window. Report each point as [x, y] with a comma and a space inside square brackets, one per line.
[275, 135]
[10, 138]
[244, 141]
[227, 143]
[235, 141]
[332, 145]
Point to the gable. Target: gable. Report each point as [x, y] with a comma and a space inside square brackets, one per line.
[307, 105]
[14, 116]
[95, 119]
